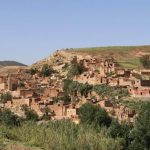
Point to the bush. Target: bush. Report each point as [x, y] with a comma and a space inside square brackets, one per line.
[71, 86]
[9, 118]
[118, 130]
[75, 68]
[6, 97]
[140, 135]
[145, 60]
[30, 114]
[106, 90]
[94, 115]
[47, 70]
[63, 135]
[33, 71]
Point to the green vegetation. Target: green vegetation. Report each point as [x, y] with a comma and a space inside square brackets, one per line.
[9, 118]
[145, 60]
[75, 68]
[111, 92]
[46, 70]
[33, 71]
[94, 115]
[140, 135]
[102, 90]
[30, 114]
[21, 84]
[5, 97]
[95, 131]
[126, 56]
[47, 113]
[63, 135]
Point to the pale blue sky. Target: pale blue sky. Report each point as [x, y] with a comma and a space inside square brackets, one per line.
[33, 29]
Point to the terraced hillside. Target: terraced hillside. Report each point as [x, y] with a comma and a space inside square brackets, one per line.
[127, 56]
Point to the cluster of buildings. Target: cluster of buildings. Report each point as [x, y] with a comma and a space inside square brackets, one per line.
[40, 93]
[107, 71]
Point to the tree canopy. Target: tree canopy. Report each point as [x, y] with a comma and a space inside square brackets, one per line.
[94, 115]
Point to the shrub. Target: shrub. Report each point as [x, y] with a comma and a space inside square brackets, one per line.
[9, 118]
[6, 97]
[33, 71]
[75, 68]
[30, 114]
[47, 70]
[145, 60]
[64, 135]
[140, 135]
[94, 115]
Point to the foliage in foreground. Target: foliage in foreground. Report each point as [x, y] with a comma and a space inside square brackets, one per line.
[94, 115]
[63, 135]
[93, 132]
[140, 135]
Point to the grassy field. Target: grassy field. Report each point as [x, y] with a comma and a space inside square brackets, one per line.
[126, 56]
[62, 135]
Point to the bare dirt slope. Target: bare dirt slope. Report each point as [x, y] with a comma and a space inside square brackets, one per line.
[10, 69]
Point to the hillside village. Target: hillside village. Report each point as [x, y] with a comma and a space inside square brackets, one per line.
[101, 81]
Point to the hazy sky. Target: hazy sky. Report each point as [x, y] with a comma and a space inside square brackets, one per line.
[33, 29]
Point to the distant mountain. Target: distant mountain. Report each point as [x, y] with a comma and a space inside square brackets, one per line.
[10, 63]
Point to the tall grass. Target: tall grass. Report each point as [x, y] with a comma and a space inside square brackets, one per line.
[62, 135]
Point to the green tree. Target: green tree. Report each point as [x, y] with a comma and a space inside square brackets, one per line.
[47, 113]
[145, 60]
[66, 98]
[94, 115]
[6, 97]
[75, 68]
[140, 135]
[9, 118]
[30, 114]
[47, 70]
[33, 71]
[21, 84]
[118, 130]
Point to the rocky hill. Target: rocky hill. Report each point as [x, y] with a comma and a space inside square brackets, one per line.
[126, 56]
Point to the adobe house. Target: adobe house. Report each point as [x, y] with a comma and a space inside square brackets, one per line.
[141, 83]
[136, 82]
[120, 71]
[145, 72]
[12, 83]
[22, 101]
[103, 80]
[121, 112]
[27, 92]
[58, 109]
[124, 82]
[139, 92]
[113, 81]
[71, 112]
[141, 88]
[105, 103]
[51, 92]
[8, 104]
[35, 101]
[3, 79]
[145, 83]
[3, 86]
